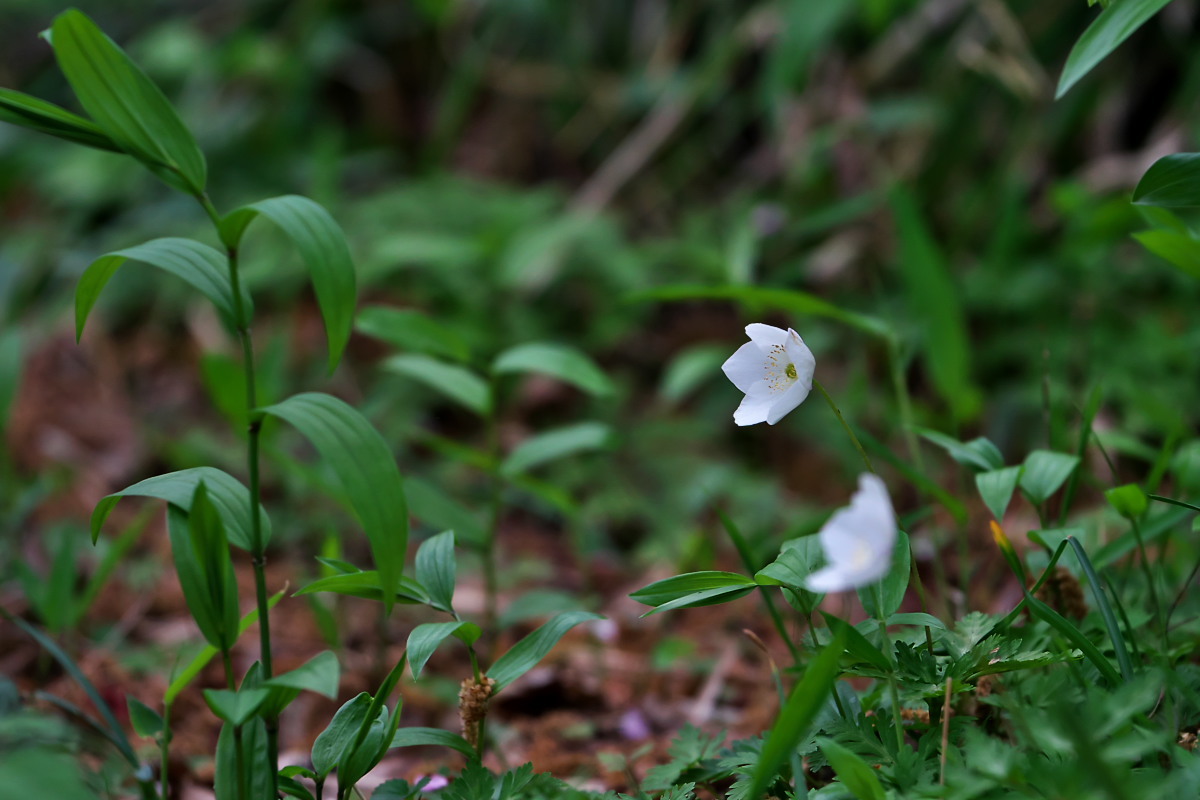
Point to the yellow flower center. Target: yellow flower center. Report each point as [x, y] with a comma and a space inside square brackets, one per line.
[790, 371]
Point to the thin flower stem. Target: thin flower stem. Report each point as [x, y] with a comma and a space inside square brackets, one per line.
[164, 744]
[849, 431]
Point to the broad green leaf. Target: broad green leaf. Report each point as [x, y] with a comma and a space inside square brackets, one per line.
[35, 114]
[125, 103]
[1105, 34]
[1180, 249]
[856, 645]
[291, 787]
[145, 720]
[230, 497]
[1044, 473]
[418, 737]
[366, 585]
[552, 445]
[201, 659]
[255, 759]
[757, 299]
[798, 558]
[979, 453]
[456, 383]
[322, 247]
[1171, 182]
[704, 597]
[996, 488]
[854, 773]
[235, 707]
[320, 674]
[670, 589]
[202, 561]
[934, 302]
[339, 735]
[889, 591]
[437, 510]
[796, 716]
[916, 618]
[1129, 500]
[366, 469]
[199, 265]
[525, 654]
[559, 361]
[412, 330]
[426, 638]
[436, 569]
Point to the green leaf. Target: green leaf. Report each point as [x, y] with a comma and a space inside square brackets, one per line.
[30, 112]
[366, 469]
[854, 773]
[671, 589]
[235, 707]
[1044, 473]
[525, 654]
[459, 384]
[145, 720]
[420, 737]
[1105, 34]
[230, 497]
[436, 569]
[996, 488]
[1180, 249]
[1110, 619]
[125, 103]
[426, 638]
[412, 330]
[366, 585]
[202, 561]
[1129, 500]
[916, 618]
[1171, 182]
[796, 717]
[890, 591]
[552, 445]
[978, 453]
[690, 369]
[320, 674]
[255, 760]
[798, 558]
[436, 509]
[935, 303]
[856, 645]
[322, 246]
[559, 361]
[199, 265]
[338, 736]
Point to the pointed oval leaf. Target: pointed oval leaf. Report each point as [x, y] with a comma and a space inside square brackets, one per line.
[199, 265]
[235, 707]
[1045, 472]
[1171, 182]
[1105, 34]
[1129, 500]
[319, 674]
[552, 445]
[366, 585]
[412, 330]
[525, 654]
[457, 383]
[422, 737]
[193, 581]
[559, 361]
[230, 497]
[126, 104]
[366, 469]
[38, 115]
[704, 597]
[996, 488]
[673, 588]
[436, 569]
[854, 773]
[425, 639]
[339, 735]
[322, 246]
[145, 720]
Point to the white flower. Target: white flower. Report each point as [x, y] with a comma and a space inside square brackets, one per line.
[858, 540]
[774, 369]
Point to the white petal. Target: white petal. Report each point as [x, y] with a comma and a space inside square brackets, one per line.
[827, 579]
[792, 397]
[745, 366]
[756, 405]
[803, 358]
[858, 540]
[766, 336]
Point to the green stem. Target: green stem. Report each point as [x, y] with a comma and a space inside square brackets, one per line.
[227, 662]
[849, 431]
[164, 744]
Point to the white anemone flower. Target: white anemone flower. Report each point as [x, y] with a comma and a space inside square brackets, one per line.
[858, 540]
[774, 369]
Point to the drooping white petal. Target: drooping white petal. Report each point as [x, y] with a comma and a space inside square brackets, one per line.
[783, 403]
[858, 540]
[755, 406]
[745, 367]
[766, 336]
[801, 357]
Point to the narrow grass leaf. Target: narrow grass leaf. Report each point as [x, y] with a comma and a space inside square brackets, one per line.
[1106, 611]
[796, 717]
[1114, 25]
[125, 103]
[996, 488]
[412, 330]
[1074, 636]
[854, 773]
[436, 567]
[436, 737]
[456, 383]
[426, 638]
[202, 267]
[38, 115]
[1044, 473]
[322, 246]
[366, 469]
[525, 654]
[227, 493]
[556, 360]
[552, 445]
